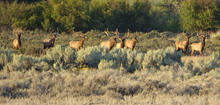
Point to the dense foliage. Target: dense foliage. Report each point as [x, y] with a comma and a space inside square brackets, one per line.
[84, 15]
[199, 14]
[66, 58]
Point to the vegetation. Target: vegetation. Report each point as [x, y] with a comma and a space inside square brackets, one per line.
[172, 83]
[200, 14]
[85, 15]
[152, 73]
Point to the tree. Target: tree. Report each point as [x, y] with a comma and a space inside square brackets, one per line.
[199, 15]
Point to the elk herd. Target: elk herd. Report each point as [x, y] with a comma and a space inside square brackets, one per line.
[183, 45]
[111, 42]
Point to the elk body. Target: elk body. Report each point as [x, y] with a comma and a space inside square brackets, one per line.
[182, 44]
[49, 42]
[121, 43]
[17, 42]
[122, 40]
[130, 43]
[109, 43]
[198, 46]
[77, 44]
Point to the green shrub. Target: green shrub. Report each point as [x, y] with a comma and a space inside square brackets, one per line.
[100, 57]
[199, 14]
[156, 58]
[91, 56]
[28, 16]
[153, 34]
[201, 67]
[6, 56]
[167, 34]
[131, 60]
[22, 63]
[214, 61]
[60, 56]
[105, 64]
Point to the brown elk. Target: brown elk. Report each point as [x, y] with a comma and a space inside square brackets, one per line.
[109, 43]
[17, 41]
[183, 44]
[77, 44]
[122, 40]
[50, 42]
[198, 46]
[131, 43]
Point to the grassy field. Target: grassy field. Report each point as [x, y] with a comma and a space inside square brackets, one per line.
[153, 74]
[32, 40]
[110, 87]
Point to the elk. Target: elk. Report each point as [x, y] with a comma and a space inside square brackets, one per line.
[109, 43]
[122, 40]
[131, 43]
[77, 44]
[50, 42]
[17, 41]
[182, 44]
[198, 46]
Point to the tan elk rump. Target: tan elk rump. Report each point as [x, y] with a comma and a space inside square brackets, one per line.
[131, 43]
[17, 41]
[109, 43]
[77, 44]
[183, 44]
[122, 40]
[198, 46]
[48, 43]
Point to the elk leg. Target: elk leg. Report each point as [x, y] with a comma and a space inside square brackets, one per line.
[201, 53]
[192, 52]
[177, 49]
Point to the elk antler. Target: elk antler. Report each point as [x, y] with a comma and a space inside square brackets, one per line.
[17, 31]
[117, 33]
[107, 32]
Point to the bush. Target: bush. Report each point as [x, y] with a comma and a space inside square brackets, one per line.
[22, 63]
[6, 56]
[213, 61]
[105, 64]
[153, 34]
[167, 34]
[100, 57]
[201, 67]
[91, 56]
[157, 58]
[199, 14]
[61, 57]
[131, 60]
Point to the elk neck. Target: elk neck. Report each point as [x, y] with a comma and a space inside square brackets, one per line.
[82, 41]
[203, 42]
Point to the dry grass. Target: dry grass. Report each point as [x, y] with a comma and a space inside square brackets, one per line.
[194, 58]
[169, 86]
[189, 84]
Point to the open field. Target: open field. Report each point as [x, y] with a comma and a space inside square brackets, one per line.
[32, 40]
[41, 63]
[153, 74]
[108, 87]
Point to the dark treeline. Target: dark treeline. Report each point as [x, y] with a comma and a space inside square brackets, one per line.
[136, 15]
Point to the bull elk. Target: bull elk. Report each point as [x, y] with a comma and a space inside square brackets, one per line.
[183, 44]
[17, 41]
[109, 43]
[48, 43]
[122, 40]
[77, 44]
[131, 43]
[198, 46]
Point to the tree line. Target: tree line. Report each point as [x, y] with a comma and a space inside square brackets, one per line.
[136, 15]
